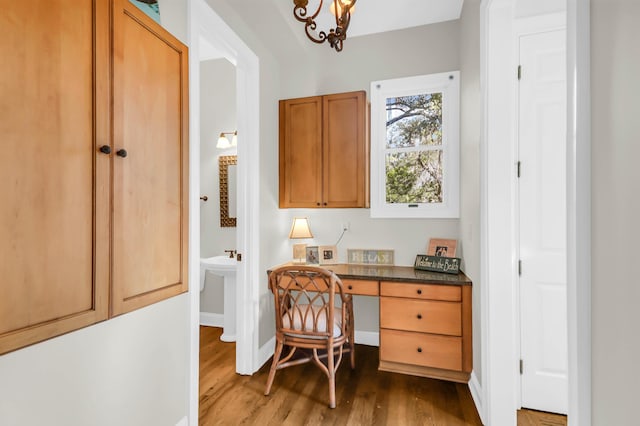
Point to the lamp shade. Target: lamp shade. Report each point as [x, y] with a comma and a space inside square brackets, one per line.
[223, 142]
[300, 228]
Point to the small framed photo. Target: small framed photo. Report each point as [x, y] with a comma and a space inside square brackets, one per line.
[442, 248]
[328, 255]
[312, 255]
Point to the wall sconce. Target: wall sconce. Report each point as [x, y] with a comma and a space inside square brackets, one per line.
[223, 140]
[300, 230]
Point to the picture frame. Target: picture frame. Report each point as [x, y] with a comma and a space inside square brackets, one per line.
[440, 247]
[299, 253]
[313, 257]
[328, 255]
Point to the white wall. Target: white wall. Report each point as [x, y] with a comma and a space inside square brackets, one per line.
[217, 114]
[615, 67]
[128, 371]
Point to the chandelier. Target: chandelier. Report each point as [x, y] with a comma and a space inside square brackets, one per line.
[342, 11]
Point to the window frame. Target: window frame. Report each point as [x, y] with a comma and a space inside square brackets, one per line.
[447, 83]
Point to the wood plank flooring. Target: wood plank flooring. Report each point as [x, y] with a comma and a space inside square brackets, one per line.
[300, 396]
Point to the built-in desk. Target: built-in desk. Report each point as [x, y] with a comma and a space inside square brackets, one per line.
[425, 318]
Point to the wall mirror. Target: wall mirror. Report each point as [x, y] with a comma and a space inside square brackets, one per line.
[228, 174]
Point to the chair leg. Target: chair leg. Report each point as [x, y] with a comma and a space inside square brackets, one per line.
[332, 378]
[274, 365]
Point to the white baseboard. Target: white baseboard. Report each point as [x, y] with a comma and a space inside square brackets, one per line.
[369, 338]
[211, 320]
[476, 394]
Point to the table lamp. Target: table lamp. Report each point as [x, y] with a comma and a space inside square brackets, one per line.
[299, 230]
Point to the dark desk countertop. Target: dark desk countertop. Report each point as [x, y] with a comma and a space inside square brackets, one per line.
[393, 273]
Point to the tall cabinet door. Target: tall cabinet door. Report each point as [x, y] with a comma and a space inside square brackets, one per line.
[301, 152]
[345, 150]
[54, 115]
[150, 181]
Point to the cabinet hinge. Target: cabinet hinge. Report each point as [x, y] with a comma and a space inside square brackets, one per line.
[521, 366]
[518, 168]
[519, 268]
[519, 72]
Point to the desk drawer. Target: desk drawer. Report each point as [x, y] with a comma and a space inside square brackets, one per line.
[361, 287]
[422, 349]
[451, 293]
[425, 316]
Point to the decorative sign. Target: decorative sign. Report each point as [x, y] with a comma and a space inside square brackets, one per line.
[370, 257]
[448, 265]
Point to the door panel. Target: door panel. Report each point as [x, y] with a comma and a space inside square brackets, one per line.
[542, 186]
[150, 182]
[301, 152]
[54, 192]
[344, 150]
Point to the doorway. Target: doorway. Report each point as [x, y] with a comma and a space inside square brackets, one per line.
[499, 363]
[205, 24]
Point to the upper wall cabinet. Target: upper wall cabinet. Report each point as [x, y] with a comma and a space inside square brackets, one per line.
[324, 151]
[93, 221]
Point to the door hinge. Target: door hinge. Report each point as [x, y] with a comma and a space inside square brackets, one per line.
[519, 268]
[518, 168]
[519, 72]
[521, 366]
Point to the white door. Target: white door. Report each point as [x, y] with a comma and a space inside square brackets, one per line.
[542, 215]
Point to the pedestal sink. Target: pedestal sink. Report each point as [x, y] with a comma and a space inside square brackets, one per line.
[225, 267]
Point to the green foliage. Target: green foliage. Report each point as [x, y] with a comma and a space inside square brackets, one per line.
[414, 176]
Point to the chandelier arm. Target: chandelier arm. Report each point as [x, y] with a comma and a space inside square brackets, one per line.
[300, 11]
[336, 36]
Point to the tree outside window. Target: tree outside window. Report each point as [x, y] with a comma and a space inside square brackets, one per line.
[415, 146]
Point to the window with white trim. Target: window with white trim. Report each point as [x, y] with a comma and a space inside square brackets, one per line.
[415, 147]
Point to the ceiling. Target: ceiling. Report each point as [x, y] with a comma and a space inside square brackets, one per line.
[274, 20]
[377, 16]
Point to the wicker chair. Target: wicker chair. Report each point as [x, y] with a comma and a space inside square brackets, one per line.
[305, 297]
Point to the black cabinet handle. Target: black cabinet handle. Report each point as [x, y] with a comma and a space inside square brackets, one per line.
[121, 152]
[350, 287]
[324, 204]
[419, 316]
[419, 291]
[317, 204]
[105, 149]
[420, 350]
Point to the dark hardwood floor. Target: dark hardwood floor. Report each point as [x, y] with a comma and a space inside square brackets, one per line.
[364, 396]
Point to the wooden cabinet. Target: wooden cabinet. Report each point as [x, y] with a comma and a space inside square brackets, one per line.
[324, 151]
[150, 184]
[86, 232]
[425, 330]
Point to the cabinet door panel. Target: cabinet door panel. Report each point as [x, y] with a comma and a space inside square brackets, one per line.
[301, 152]
[53, 114]
[344, 149]
[150, 182]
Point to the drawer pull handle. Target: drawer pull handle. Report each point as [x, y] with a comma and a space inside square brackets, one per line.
[419, 316]
[350, 287]
[420, 350]
[419, 291]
